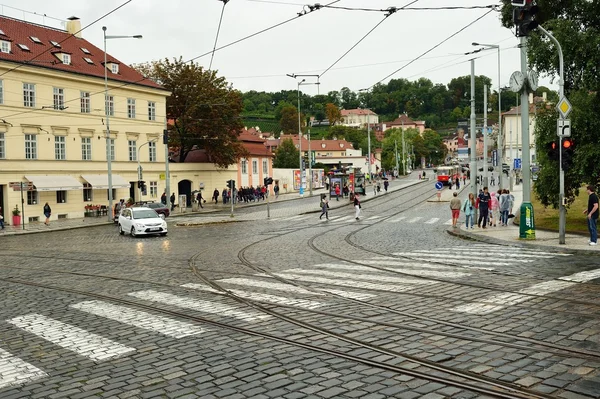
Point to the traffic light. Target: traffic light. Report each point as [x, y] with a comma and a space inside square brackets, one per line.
[567, 153]
[267, 181]
[230, 184]
[525, 19]
[553, 151]
[165, 137]
[142, 185]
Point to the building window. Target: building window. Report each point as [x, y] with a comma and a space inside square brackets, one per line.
[152, 151]
[87, 192]
[55, 44]
[86, 148]
[254, 167]
[132, 150]
[151, 111]
[59, 98]
[32, 197]
[114, 68]
[2, 146]
[244, 166]
[5, 46]
[1, 92]
[30, 146]
[109, 105]
[153, 189]
[114, 194]
[67, 59]
[60, 152]
[112, 149]
[86, 102]
[131, 108]
[265, 167]
[61, 196]
[29, 95]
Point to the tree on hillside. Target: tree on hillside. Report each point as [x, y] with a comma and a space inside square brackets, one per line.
[204, 110]
[460, 89]
[289, 120]
[334, 115]
[287, 155]
[349, 98]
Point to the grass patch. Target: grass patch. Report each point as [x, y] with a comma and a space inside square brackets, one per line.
[547, 218]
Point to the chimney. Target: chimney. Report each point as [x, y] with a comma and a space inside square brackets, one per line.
[74, 26]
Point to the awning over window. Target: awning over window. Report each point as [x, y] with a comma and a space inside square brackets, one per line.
[55, 183]
[100, 182]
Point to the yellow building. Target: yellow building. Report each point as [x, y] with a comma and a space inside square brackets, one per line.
[53, 123]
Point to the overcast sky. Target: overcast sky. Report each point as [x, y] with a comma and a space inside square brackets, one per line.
[307, 45]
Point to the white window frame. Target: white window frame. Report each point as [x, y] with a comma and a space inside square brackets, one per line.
[86, 148]
[32, 198]
[66, 59]
[244, 166]
[152, 151]
[254, 166]
[88, 192]
[31, 146]
[109, 105]
[151, 111]
[265, 165]
[5, 46]
[58, 98]
[112, 152]
[60, 148]
[131, 108]
[153, 189]
[132, 144]
[86, 102]
[2, 146]
[29, 95]
[114, 68]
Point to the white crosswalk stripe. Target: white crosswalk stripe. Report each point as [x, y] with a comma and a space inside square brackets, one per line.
[373, 217]
[136, 318]
[14, 371]
[457, 257]
[366, 277]
[268, 285]
[405, 268]
[339, 219]
[432, 221]
[450, 260]
[198, 305]
[347, 283]
[302, 303]
[505, 251]
[71, 337]
[401, 218]
[414, 220]
[448, 223]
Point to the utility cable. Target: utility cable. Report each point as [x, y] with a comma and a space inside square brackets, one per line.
[492, 6]
[433, 48]
[389, 11]
[67, 38]
[217, 36]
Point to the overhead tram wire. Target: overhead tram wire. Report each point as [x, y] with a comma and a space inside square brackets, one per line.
[492, 6]
[218, 31]
[67, 38]
[433, 48]
[312, 9]
[389, 12]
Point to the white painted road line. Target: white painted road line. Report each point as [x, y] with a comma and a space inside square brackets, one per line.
[348, 294]
[367, 277]
[373, 218]
[348, 283]
[268, 285]
[339, 219]
[399, 262]
[14, 371]
[448, 223]
[457, 257]
[448, 260]
[136, 318]
[198, 305]
[432, 221]
[71, 337]
[507, 251]
[416, 272]
[397, 219]
[413, 220]
[583, 277]
[255, 296]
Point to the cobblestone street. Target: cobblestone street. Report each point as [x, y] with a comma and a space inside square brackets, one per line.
[291, 306]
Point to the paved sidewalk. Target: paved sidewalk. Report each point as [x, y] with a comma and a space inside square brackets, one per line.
[509, 235]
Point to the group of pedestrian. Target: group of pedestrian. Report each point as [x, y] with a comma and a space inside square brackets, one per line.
[325, 207]
[490, 206]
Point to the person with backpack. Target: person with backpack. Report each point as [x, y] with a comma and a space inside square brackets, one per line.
[468, 209]
[324, 208]
[504, 208]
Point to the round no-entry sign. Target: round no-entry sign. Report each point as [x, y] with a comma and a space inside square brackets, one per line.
[439, 185]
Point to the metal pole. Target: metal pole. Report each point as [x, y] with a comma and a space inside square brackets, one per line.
[167, 177]
[108, 141]
[231, 195]
[22, 207]
[500, 141]
[511, 159]
[473, 135]
[519, 119]
[485, 140]
[526, 159]
[369, 149]
[396, 153]
[300, 188]
[403, 156]
[562, 217]
[310, 183]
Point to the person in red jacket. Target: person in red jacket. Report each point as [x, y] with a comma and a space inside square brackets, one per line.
[337, 192]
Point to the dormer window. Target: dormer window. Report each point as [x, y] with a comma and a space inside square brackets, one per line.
[88, 60]
[66, 59]
[341, 145]
[2, 32]
[23, 47]
[35, 39]
[55, 44]
[86, 51]
[114, 68]
[323, 145]
[5, 46]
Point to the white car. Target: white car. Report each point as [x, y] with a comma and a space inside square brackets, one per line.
[141, 221]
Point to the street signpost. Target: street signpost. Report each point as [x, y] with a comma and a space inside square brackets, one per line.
[495, 158]
[517, 163]
[439, 186]
[20, 186]
[564, 108]
[563, 127]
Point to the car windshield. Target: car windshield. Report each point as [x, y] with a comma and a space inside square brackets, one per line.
[144, 214]
[153, 206]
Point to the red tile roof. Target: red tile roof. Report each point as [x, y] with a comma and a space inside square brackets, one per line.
[315, 145]
[42, 55]
[358, 111]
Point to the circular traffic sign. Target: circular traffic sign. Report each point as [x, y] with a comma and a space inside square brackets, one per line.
[439, 185]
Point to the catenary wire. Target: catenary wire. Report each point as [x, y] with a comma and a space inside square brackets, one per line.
[492, 6]
[218, 31]
[433, 48]
[67, 38]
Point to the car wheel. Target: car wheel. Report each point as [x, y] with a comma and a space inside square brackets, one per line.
[163, 234]
[121, 230]
[132, 232]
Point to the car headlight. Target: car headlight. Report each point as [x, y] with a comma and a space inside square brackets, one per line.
[139, 225]
[164, 224]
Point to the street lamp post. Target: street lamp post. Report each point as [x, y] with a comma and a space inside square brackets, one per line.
[106, 111]
[300, 189]
[500, 141]
[140, 176]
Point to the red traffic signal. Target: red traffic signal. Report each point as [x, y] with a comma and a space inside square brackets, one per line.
[567, 144]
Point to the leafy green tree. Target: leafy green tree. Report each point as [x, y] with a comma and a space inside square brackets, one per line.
[204, 110]
[349, 98]
[289, 120]
[287, 155]
[334, 115]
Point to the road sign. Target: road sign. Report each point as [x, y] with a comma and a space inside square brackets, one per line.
[439, 185]
[495, 158]
[563, 128]
[564, 107]
[25, 186]
[517, 163]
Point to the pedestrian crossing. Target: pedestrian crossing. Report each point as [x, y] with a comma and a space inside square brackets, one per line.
[347, 218]
[312, 289]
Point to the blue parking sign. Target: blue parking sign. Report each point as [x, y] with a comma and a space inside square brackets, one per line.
[517, 163]
[439, 185]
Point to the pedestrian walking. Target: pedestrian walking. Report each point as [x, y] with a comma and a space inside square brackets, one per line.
[457, 182]
[324, 208]
[511, 202]
[492, 180]
[504, 208]
[484, 201]
[276, 190]
[386, 184]
[356, 206]
[47, 213]
[493, 209]
[592, 215]
[172, 201]
[455, 208]
[215, 196]
[1, 219]
[337, 192]
[200, 199]
[464, 180]
[468, 209]
[163, 198]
